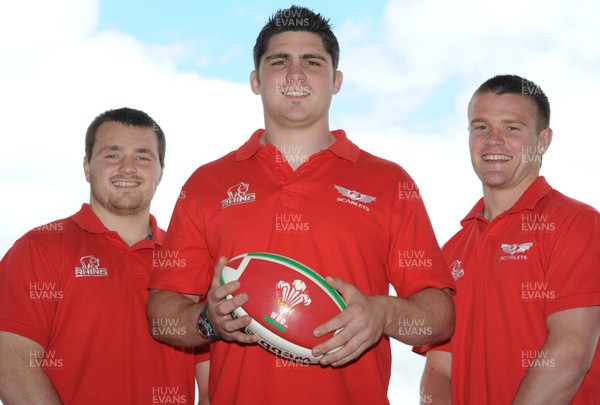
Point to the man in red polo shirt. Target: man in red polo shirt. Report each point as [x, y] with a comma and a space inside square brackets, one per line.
[526, 268]
[300, 190]
[73, 292]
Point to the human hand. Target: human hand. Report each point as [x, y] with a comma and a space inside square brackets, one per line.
[362, 324]
[219, 309]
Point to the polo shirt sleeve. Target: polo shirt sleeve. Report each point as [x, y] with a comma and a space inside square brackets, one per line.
[442, 347]
[183, 263]
[202, 354]
[573, 263]
[415, 260]
[30, 291]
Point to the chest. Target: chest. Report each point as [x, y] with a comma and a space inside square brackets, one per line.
[506, 262]
[265, 206]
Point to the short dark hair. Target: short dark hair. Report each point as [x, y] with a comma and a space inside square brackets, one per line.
[513, 84]
[297, 18]
[126, 116]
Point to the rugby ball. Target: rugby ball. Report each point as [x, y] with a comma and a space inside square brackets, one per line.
[287, 301]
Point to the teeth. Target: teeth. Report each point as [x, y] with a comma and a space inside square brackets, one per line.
[296, 93]
[496, 157]
[125, 183]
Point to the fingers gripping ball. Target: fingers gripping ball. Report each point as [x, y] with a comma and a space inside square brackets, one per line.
[287, 302]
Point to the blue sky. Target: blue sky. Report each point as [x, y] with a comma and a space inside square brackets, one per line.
[218, 36]
[409, 67]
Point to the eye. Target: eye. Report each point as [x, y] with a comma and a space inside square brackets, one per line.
[512, 128]
[278, 62]
[313, 63]
[144, 157]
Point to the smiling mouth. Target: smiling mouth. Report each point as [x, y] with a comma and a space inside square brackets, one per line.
[295, 92]
[125, 183]
[496, 158]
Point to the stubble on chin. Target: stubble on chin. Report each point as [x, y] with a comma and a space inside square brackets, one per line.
[122, 206]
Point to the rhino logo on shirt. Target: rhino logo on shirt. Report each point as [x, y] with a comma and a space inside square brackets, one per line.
[90, 267]
[238, 194]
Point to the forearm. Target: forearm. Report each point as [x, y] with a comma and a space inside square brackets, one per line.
[553, 377]
[423, 318]
[436, 381]
[560, 366]
[172, 318]
[202, 374]
[21, 380]
[27, 387]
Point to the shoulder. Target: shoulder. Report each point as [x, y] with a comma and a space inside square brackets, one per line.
[556, 199]
[215, 168]
[44, 240]
[568, 210]
[52, 231]
[379, 166]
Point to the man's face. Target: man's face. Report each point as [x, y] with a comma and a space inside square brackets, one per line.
[124, 169]
[506, 147]
[295, 80]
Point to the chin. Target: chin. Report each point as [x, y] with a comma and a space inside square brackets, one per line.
[132, 207]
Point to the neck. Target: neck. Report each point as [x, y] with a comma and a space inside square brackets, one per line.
[297, 145]
[131, 228]
[498, 200]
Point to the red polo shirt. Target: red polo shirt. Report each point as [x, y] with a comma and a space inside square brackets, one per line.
[79, 291]
[511, 273]
[344, 213]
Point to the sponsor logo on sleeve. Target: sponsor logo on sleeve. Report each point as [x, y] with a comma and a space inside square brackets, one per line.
[456, 270]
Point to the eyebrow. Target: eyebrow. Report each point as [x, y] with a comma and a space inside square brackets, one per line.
[504, 121]
[288, 56]
[119, 148]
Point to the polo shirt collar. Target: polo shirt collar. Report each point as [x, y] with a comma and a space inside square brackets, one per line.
[342, 147]
[89, 221]
[530, 198]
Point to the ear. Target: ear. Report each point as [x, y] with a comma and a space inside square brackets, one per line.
[255, 82]
[86, 168]
[544, 140]
[337, 81]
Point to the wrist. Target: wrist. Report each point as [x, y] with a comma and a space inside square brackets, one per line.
[204, 326]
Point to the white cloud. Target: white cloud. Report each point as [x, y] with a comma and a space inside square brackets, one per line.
[422, 50]
[50, 99]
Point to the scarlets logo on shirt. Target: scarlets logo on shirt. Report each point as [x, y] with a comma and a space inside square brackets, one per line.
[513, 249]
[354, 197]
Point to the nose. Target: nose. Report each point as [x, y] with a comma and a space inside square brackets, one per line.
[296, 71]
[494, 137]
[127, 165]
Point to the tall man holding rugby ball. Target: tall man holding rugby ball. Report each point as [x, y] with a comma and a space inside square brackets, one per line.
[298, 168]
